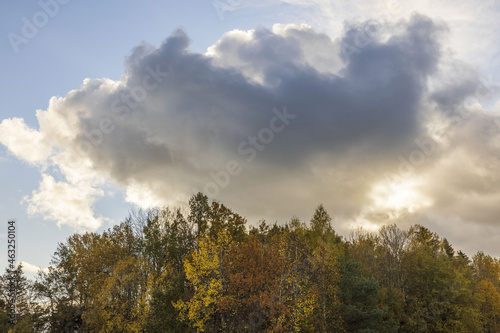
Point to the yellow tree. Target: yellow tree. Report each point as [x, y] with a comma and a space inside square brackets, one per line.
[296, 289]
[109, 279]
[204, 271]
[122, 302]
[490, 306]
[326, 276]
[487, 274]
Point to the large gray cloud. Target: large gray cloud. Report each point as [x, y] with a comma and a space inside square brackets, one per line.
[376, 123]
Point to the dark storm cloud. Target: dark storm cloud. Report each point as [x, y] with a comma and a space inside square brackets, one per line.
[202, 107]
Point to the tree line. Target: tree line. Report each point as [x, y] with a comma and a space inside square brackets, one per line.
[206, 271]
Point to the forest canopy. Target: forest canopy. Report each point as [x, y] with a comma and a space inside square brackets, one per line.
[207, 270]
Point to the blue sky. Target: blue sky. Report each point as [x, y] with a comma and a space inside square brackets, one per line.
[83, 40]
[92, 40]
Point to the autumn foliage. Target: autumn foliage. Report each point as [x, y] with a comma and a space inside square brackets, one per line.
[208, 271]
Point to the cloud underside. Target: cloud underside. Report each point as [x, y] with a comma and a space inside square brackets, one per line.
[377, 123]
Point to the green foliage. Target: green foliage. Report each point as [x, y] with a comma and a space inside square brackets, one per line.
[360, 298]
[165, 270]
[439, 290]
[27, 310]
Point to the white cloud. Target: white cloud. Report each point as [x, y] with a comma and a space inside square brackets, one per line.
[144, 196]
[25, 143]
[30, 268]
[66, 203]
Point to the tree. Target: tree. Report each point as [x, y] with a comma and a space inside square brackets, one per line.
[251, 301]
[489, 306]
[438, 289]
[204, 271]
[321, 221]
[360, 298]
[325, 274]
[299, 292]
[486, 268]
[26, 309]
[325, 271]
[168, 239]
[122, 301]
[223, 218]
[199, 211]
[57, 291]
[487, 275]
[159, 270]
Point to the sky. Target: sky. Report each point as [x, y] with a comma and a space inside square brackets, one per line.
[383, 111]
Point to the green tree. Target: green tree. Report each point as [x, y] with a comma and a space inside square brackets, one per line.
[26, 309]
[360, 299]
[168, 239]
[57, 291]
[438, 288]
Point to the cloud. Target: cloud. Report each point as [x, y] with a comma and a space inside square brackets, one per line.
[470, 22]
[496, 107]
[25, 143]
[376, 122]
[27, 267]
[66, 203]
